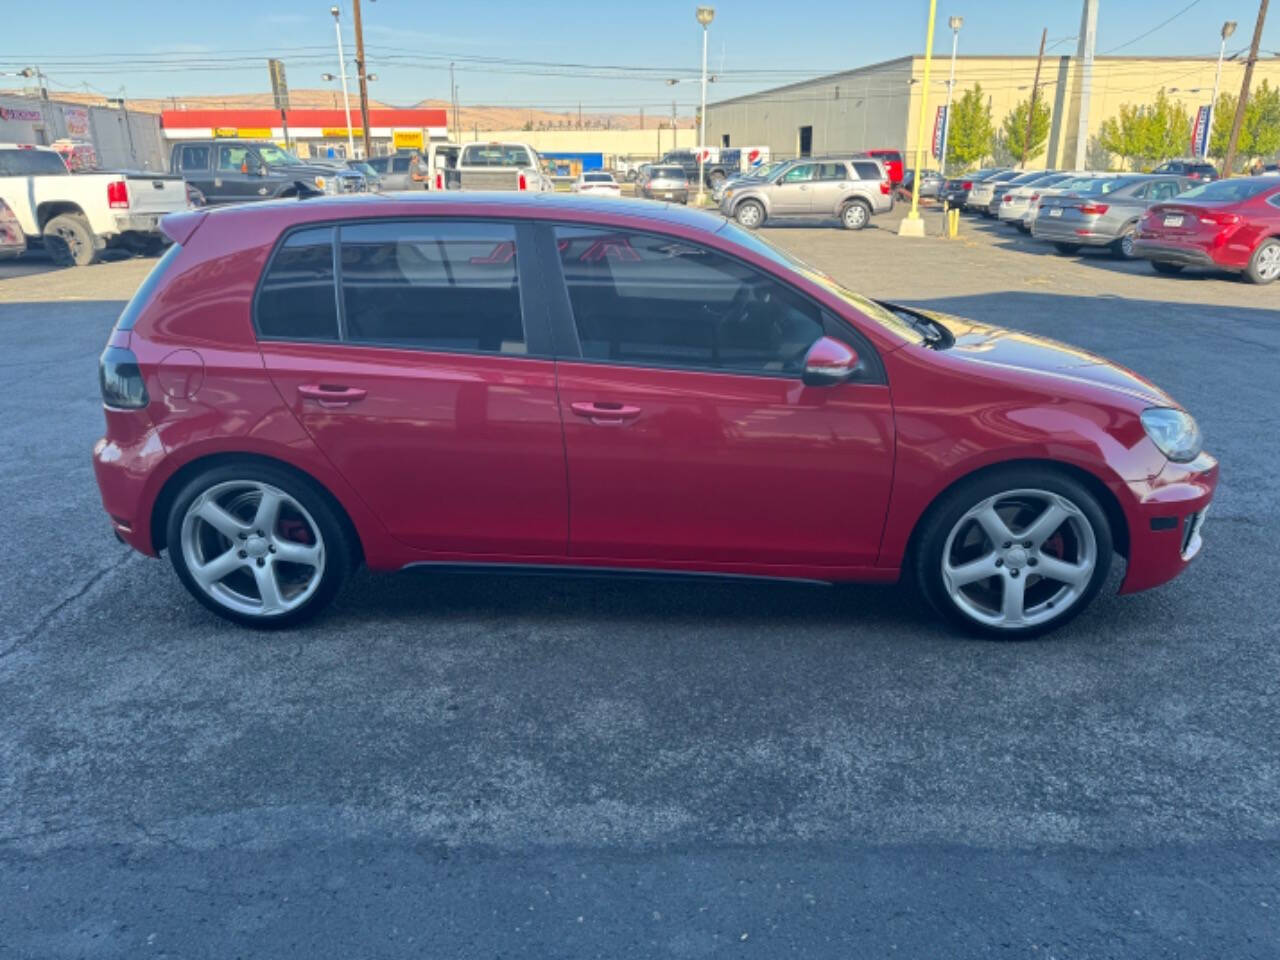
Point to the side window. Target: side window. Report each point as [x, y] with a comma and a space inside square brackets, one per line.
[194, 158]
[400, 164]
[1163, 190]
[434, 286]
[297, 298]
[652, 300]
[833, 171]
[867, 171]
[1274, 200]
[232, 158]
[799, 174]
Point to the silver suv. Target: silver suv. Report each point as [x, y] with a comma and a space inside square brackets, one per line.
[852, 190]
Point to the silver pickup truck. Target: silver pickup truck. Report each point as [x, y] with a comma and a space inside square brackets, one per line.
[499, 166]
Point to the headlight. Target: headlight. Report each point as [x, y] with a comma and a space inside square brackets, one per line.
[320, 183]
[1174, 432]
[727, 194]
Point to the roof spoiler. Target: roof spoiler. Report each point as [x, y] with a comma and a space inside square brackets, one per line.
[179, 226]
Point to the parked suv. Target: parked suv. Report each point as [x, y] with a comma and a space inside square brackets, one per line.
[236, 171]
[851, 190]
[1193, 169]
[538, 382]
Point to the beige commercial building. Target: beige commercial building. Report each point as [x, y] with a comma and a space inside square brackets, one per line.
[878, 105]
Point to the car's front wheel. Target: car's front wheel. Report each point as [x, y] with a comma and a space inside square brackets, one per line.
[750, 214]
[257, 544]
[1014, 553]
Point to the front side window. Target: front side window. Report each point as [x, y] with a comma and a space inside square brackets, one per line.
[1164, 190]
[432, 286]
[661, 301]
[800, 174]
[296, 301]
[232, 158]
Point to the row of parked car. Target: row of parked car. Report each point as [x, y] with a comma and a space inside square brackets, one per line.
[1179, 215]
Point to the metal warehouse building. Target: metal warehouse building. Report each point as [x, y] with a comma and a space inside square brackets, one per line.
[877, 105]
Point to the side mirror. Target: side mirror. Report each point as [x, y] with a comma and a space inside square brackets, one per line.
[829, 362]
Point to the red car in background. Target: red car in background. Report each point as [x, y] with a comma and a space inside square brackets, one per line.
[892, 161]
[567, 383]
[1226, 224]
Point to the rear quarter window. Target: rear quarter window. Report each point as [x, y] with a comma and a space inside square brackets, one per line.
[298, 299]
[867, 171]
[142, 296]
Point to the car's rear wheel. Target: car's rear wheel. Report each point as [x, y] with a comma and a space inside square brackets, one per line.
[1264, 266]
[750, 214]
[855, 215]
[1067, 248]
[1015, 553]
[1165, 267]
[1122, 246]
[257, 544]
[69, 240]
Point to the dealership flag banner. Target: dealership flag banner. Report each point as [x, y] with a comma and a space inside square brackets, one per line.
[939, 130]
[1200, 132]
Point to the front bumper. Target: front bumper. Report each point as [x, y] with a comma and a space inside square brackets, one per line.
[1165, 517]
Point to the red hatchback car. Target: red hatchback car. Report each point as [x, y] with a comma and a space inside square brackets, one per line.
[1227, 224]
[569, 383]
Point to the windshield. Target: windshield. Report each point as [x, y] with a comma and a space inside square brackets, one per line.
[1228, 191]
[868, 308]
[363, 168]
[759, 173]
[273, 156]
[597, 177]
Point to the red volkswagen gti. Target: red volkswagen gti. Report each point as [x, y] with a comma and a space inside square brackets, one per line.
[1227, 224]
[567, 383]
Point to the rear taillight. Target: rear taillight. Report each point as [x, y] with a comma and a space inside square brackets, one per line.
[1090, 209]
[1006, 199]
[117, 194]
[1220, 219]
[121, 380]
[523, 184]
[439, 181]
[1033, 198]
[885, 187]
[968, 185]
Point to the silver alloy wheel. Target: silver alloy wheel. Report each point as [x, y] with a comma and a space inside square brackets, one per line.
[1126, 244]
[749, 215]
[855, 216]
[253, 548]
[1268, 267]
[1019, 558]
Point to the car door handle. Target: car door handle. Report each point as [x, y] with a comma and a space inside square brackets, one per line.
[330, 395]
[605, 414]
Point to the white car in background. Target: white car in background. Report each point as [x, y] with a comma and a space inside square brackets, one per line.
[597, 183]
[1062, 186]
[1014, 203]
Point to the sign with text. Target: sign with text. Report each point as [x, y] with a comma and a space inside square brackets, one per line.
[340, 132]
[14, 113]
[406, 139]
[279, 88]
[1200, 131]
[939, 131]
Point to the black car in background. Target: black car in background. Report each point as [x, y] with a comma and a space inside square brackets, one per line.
[1194, 169]
[955, 191]
[235, 171]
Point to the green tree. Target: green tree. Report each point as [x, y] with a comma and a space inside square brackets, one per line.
[969, 138]
[1014, 128]
[1260, 133]
[1122, 134]
[1144, 134]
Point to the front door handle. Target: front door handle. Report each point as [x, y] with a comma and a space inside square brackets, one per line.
[330, 395]
[604, 414]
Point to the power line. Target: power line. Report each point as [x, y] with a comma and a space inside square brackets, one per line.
[1159, 26]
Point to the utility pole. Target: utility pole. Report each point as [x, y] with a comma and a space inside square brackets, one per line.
[1031, 110]
[1084, 55]
[674, 127]
[360, 75]
[1243, 102]
[453, 107]
[579, 114]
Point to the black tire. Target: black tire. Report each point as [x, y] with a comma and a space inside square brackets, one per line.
[1165, 267]
[1067, 248]
[748, 219]
[339, 549]
[1122, 246]
[855, 215]
[937, 524]
[1262, 265]
[70, 241]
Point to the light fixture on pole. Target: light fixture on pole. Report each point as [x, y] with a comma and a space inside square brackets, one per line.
[911, 225]
[705, 16]
[1228, 29]
[342, 72]
[955, 23]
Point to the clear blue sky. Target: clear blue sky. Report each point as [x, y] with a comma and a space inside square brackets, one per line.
[157, 49]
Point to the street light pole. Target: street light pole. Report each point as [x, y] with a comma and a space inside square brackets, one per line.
[705, 16]
[911, 225]
[1228, 29]
[342, 71]
[955, 23]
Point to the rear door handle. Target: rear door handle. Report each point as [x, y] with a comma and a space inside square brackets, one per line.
[604, 414]
[331, 395]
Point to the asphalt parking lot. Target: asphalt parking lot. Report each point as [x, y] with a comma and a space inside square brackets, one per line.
[451, 766]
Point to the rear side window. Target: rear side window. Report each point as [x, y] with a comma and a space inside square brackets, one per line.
[194, 158]
[28, 163]
[832, 171]
[296, 300]
[659, 301]
[433, 286]
[868, 171]
[142, 296]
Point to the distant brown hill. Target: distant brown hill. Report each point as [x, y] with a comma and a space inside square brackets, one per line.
[470, 117]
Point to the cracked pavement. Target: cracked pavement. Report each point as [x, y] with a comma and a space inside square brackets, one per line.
[458, 766]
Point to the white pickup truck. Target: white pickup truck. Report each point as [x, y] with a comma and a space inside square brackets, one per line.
[496, 166]
[77, 216]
